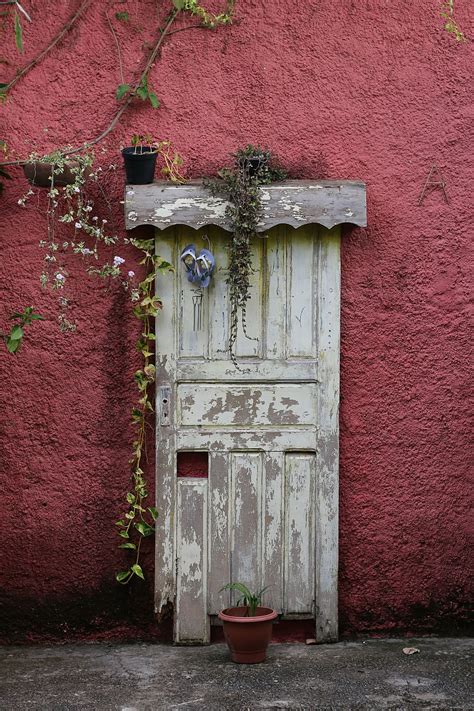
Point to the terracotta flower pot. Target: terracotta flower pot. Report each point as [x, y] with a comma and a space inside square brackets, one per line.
[248, 637]
[39, 173]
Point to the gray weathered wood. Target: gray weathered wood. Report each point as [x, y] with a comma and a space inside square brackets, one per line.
[291, 202]
[267, 515]
[191, 620]
[327, 488]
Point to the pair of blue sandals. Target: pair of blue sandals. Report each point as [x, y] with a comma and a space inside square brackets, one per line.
[199, 267]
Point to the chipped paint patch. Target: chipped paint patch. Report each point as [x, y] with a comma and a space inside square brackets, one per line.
[213, 206]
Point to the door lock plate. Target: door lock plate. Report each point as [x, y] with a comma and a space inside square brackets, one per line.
[164, 400]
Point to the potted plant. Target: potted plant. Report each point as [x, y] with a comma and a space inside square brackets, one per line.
[253, 159]
[248, 626]
[56, 169]
[140, 160]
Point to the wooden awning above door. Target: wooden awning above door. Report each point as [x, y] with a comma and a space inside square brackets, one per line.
[291, 202]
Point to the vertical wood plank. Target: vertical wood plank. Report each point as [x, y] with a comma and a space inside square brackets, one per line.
[193, 314]
[272, 559]
[191, 619]
[301, 306]
[299, 532]
[275, 293]
[219, 541]
[252, 346]
[327, 501]
[218, 298]
[247, 518]
[166, 291]
[165, 328]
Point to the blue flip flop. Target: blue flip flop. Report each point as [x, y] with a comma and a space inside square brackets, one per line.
[205, 264]
[188, 257]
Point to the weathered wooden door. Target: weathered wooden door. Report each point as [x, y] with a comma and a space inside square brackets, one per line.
[266, 515]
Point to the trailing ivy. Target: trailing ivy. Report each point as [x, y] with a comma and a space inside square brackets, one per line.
[138, 521]
[253, 167]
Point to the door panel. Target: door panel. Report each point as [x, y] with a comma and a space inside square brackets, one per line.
[265, 404]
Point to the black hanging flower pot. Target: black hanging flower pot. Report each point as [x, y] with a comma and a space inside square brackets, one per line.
[252, 164]
[139, 164]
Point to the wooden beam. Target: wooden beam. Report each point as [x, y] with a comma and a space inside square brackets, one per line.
[291, 202]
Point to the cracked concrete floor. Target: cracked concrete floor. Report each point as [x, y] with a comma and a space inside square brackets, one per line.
[374, 674]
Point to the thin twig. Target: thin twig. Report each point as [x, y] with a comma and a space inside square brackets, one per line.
[127, 102]
[47, 49]
[119, 53]
[188, 27]
[131, 95]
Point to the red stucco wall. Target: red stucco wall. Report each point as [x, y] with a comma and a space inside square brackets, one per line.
[370, 89]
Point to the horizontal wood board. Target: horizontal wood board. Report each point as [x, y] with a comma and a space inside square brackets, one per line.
[291, 202]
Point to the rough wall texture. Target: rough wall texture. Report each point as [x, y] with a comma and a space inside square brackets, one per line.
[366, 89]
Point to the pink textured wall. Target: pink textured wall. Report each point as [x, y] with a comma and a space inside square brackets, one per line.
[379, 91]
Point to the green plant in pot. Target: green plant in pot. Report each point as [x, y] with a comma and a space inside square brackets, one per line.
[140, 160]
[55, 169]
[239, 185]
[248, 625]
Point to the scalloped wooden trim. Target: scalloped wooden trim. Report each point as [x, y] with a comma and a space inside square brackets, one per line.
[294, 203]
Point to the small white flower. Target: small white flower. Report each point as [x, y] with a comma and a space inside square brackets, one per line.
[77, 225]
[118, 261]
[95, 218]
[60, 277]
[131, 275]
[87, 251]
[104, 222]
[77, 190]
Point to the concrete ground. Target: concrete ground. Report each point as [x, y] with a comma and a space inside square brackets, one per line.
[374, 674]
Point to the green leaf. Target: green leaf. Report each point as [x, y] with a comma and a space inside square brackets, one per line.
[16, 334]
[137, 569]
[120, 577]
[122, 16]
[18, 33]
[13, 346]
[144, 529]
[153, 512]
[130, 498]
[128, 546]
[122, 89]
[150, 371]
[142, 92]
[124, 534]
[154, 101]
[179, 4]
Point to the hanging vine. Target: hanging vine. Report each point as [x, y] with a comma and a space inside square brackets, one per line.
[138, 521]
[253, 166]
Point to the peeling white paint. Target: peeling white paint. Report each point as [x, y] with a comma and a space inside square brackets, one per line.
[270, 431]
[213, 206]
